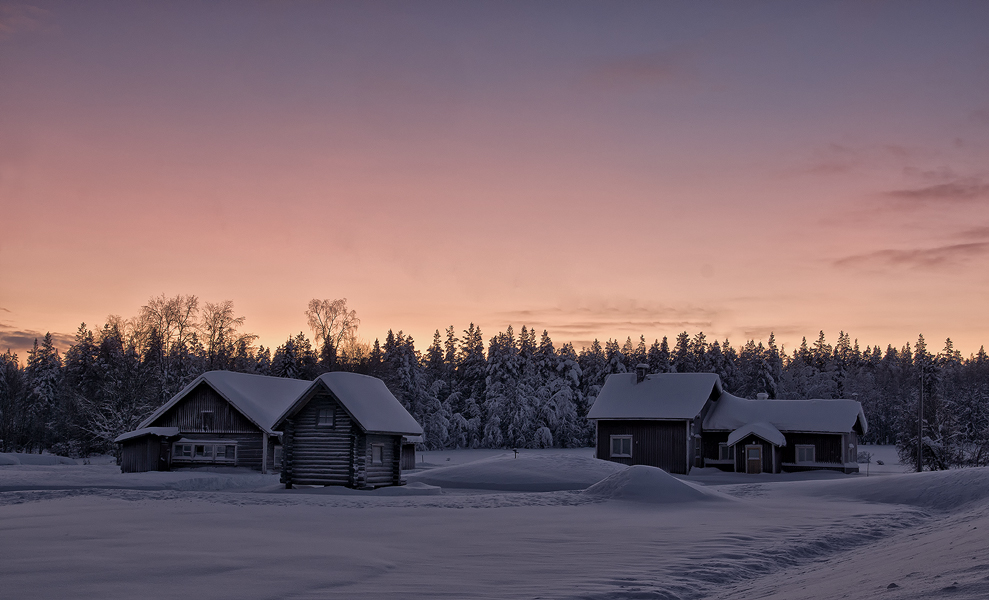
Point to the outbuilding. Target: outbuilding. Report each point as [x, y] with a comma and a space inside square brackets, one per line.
[221, 418]
[345, 429]
[677, 421]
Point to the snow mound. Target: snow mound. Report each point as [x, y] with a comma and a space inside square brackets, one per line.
[527, 473]
[640, 483]
[22, 458]
[940, 490]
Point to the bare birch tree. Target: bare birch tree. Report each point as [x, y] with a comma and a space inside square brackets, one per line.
[331, 322]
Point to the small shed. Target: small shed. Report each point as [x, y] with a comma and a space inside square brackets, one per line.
[147, 449]
[409, 451]
[221, 418]
[345, 429]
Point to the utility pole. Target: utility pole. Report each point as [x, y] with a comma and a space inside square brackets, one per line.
[920, 423]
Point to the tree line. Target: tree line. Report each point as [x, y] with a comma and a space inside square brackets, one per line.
[511, 390]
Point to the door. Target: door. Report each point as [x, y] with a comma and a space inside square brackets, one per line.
[753, 460]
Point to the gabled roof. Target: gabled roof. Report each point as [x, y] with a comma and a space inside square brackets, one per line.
[367, 399]
[763, 430]
[259, 398]
[660, 396]
[825, 416]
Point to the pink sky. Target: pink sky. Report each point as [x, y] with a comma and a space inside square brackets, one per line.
[599, 170]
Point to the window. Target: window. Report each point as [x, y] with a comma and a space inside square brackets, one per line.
[805, 453]
[325, 417]
[753, 452]
[726, 452]
[206, 419]
[278, 457]
[207, 452]
[377, 454]
[621, 446]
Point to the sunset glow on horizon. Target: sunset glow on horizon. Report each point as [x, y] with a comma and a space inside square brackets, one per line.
[599, 170]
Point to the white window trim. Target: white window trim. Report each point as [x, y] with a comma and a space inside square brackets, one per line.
[611, 446]
[796, 453]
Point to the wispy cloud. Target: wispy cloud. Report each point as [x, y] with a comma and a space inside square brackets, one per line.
[21, 340]
[919, 258]
[21, 17]
[960, 190]
[611, 321]
[644, 70]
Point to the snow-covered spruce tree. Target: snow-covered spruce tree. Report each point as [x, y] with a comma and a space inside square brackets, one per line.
[681, 357]
[658, 357]
[508, 407]
[698, 350]
[592, 363]
[469, 384]
[13, 418]
[43, 375]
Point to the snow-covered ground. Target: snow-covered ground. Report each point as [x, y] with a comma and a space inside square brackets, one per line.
[548, 524]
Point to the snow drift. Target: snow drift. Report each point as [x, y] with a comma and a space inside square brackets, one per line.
[527, 473]
[640, 483]
[21, 458]
[940, 490]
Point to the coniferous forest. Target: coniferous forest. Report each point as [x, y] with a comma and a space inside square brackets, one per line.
[513, 389]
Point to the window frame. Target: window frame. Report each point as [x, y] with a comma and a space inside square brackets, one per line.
[378, 449]
[208, 455]
[797, 448]
[726, 452]
[621, 438]
[329, 420]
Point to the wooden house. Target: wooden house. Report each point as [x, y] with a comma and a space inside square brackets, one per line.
[677, 421]
[345, 429]
[220, 419]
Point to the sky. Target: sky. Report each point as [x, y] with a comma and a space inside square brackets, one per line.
[596, 169]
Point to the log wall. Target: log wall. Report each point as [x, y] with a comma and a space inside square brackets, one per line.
[317, 454]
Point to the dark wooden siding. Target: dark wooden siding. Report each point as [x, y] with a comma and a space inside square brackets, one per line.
[767, 454]
[248, 449]
[319, 454]
[827, 446]
[145, 453]
[187, 414]
[408, 457]
[660, 444]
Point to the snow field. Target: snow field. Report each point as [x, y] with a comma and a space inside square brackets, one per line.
[83, 531]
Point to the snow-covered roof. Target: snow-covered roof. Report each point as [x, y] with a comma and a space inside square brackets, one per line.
[825, 416]
[260, 398]
[367, 399]
[160, 431]
[763, 430]
[659, 396]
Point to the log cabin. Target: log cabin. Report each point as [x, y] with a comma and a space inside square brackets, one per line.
[222, 418]
[678, 421]
[345, 429]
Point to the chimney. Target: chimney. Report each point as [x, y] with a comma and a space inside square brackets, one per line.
[640, 372]
[762, 396]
